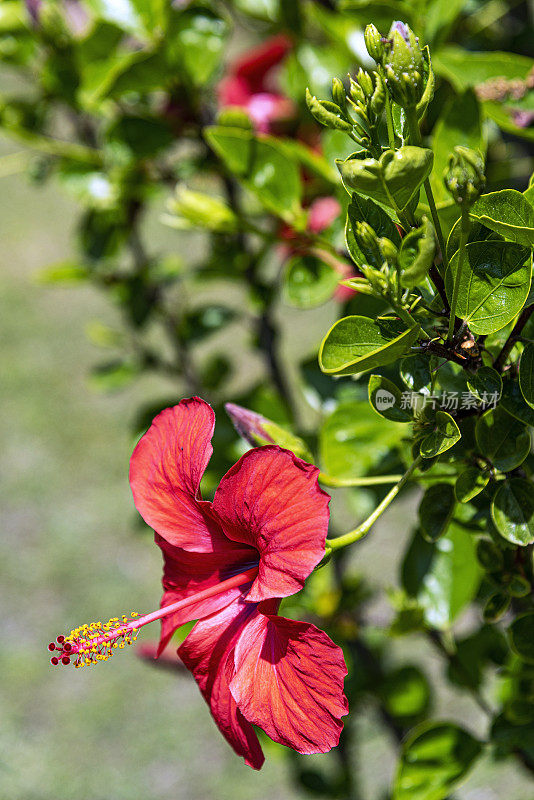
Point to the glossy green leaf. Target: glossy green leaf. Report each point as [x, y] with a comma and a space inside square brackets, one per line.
[512, 511]
[264, 166]
[354, 344]
[470, 483]
[508, 213]
[415, 372]
[363, 209]
[435, 510]
[353, 440]
[477, 233]
[513, 402]
[434, 760]
[521, 633]
[526, 374]
[502, 439]
[444, 436]
[466, 68]
[460, 124]
[309, 282]
[494, 284]
[386, 399]
[393, 179]
[486, 385]
[416, 254]
[443, 576]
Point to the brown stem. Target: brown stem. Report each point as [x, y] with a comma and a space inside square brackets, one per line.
[501, 359]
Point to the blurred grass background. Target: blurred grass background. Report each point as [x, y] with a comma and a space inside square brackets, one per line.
[72, 552]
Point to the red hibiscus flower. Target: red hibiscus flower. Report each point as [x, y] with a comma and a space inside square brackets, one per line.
[251, 85]
[228, 563]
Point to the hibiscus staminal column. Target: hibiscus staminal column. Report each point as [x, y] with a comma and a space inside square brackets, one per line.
[90, 643]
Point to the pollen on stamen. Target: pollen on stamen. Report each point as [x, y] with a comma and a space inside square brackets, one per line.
[90, 643]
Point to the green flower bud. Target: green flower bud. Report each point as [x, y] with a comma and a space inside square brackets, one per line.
[404, 66]
[368, 240]
[328, 114]
[464, 177]
[365, 81]
[378, 98]
[373, 42]
[388, 249]
[338, 92]
[356, 92]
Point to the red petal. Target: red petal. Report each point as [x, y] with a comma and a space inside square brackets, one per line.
[289, 681]
[185, 574]
[257, 62]
[207, 652]
[271, 500]
[165, 472]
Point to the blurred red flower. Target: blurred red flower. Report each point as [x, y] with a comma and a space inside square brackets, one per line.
[251, 85]
[262, 536]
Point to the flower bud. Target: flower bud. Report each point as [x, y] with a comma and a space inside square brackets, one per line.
[356, 92]
[365, 81]
[388, 249]
[464, 177]
[328, 114]
[404, 66]
[368, 241]
[378, 98]
[338, 92]
[373, 42]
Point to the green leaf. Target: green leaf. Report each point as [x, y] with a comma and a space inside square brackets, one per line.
[460, 124]
[393, 179]
[363, 209]
[63, 273]
[513, 402]
[502, 439]
[195, 42]
[466, 68]
[443, 576]
[113, 375]
[512, 511]
[353, 440]
[415, 372]
[417, 254]
[434, 760]
[496, 607]
[439, 18]
[406, 693]
[521, 633]
[486, 385]
[354, 344]
[526, 374]
[470, 483]
[199, 323]
[436, 510]
[444, 436]
[308, 281]
[263, 165]
[494, 284]
[508, 213]
[386, 399]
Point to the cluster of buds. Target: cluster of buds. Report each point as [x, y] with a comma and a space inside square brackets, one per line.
[381, 255]
[464, 177]
[404, 64]
[358, 112]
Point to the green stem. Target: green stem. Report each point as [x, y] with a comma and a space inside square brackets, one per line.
[415, 137]
[464, 233]
[389, 115]
[55, 147]
[363, 529]
[375, 480]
